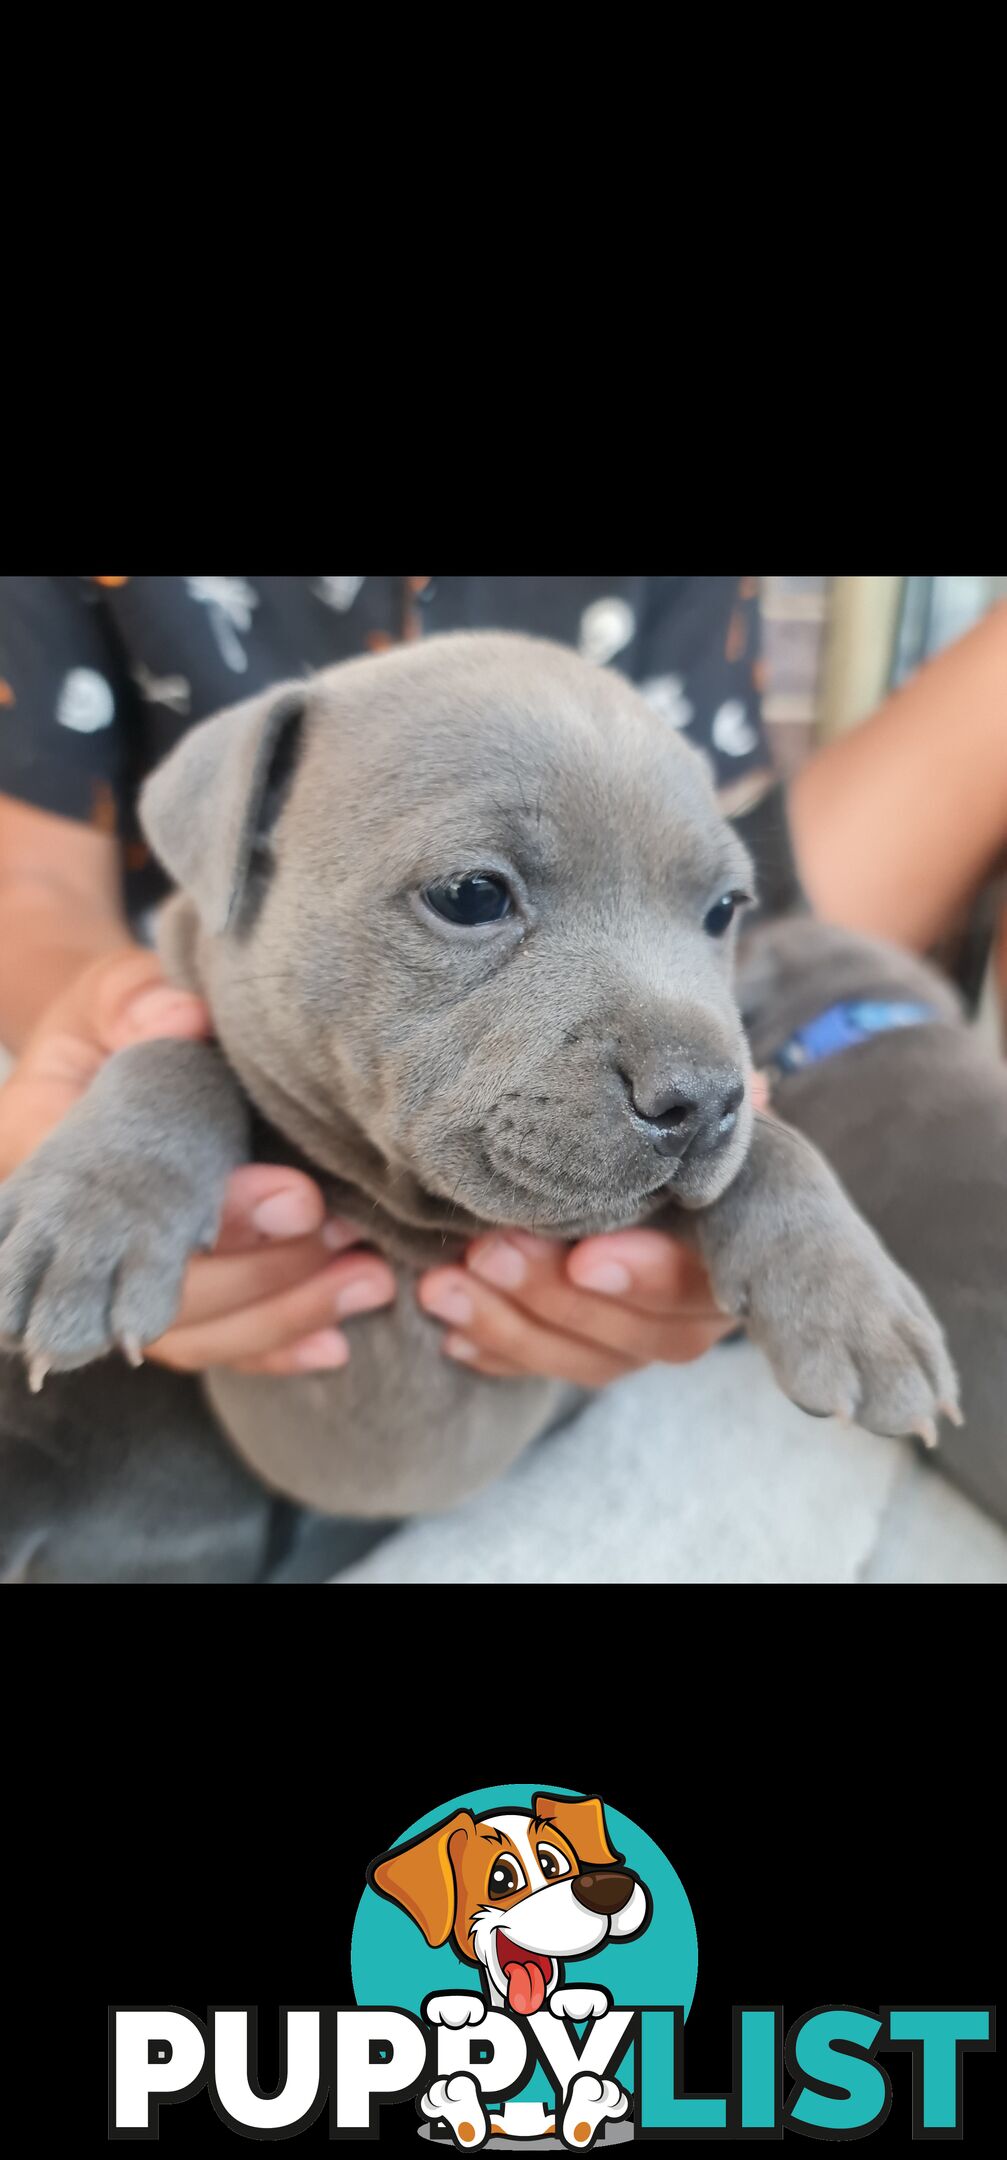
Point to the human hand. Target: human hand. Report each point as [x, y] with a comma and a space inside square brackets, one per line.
[525, 1306]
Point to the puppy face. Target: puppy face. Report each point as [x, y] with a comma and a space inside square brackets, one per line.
[491, 946]
[514, 1893]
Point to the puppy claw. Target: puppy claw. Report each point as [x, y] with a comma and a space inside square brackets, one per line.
[926, 1431]
[131, 1351]
[38, 1371]
[951, 1411]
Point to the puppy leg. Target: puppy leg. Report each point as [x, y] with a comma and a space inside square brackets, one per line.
[845, 1331]
[919, 1140]
[457, 2101]
[590, 2102]
[579, 2003]
[455, 2011]
[97, 1226]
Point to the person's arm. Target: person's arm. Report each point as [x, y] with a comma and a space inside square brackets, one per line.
[897, 824]
[60, 910]
[64, 754]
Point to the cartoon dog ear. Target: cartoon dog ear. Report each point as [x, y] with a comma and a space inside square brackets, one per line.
[582, 1823]
[422, 1877]
[209, 809]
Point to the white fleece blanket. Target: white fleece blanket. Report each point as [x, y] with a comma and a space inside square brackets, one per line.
[704, 1474]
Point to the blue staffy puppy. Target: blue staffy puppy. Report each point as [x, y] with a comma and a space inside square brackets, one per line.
[465, 916]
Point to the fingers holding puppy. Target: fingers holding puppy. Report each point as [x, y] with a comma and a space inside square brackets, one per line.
[281, 1279]
[524, 1306]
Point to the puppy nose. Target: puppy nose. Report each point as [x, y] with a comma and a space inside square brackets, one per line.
[603, 1893]
[695, 1111]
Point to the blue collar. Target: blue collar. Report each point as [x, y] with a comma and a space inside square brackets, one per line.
[842, 1027]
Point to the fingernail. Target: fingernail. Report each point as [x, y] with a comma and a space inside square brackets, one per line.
[324, 1352]
[536, 1248]
[608, 1277]
[448, 1301]
[464, 1353]
[337, 1235]
[360, 1296]
[161, 1007]
[500, 1264]
[154, 997]
[286, 1214]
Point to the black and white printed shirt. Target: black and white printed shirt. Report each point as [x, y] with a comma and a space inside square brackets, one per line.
[99, 676]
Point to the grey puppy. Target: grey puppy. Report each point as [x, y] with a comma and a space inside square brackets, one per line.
[914, 1121]
[465, 918]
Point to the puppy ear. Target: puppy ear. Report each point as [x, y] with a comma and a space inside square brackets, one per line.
[209, 809]
[582, 1823]
[422, 1877]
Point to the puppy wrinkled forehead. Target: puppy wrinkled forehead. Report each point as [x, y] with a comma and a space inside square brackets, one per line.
[515, 744]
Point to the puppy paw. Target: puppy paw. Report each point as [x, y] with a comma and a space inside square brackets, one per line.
[579, 2003]
[92, 1257]
[457, 2102]
[590, 2102]
[455, 2011]
[849, 1336]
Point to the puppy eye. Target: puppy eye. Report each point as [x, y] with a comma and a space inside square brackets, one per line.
[470, 901]
[720, 918]
[506, 1877]
[552, 1863]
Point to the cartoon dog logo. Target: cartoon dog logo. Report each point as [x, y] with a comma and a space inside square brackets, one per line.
[519, 1894]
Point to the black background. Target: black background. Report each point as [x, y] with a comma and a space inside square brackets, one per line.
[824, 1785]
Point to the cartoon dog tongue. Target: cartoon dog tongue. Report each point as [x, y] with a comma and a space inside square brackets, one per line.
[525, 1987]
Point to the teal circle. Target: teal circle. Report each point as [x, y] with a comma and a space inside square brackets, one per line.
[391, 1963]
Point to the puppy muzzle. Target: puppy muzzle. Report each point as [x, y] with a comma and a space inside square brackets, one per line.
[523, 1948]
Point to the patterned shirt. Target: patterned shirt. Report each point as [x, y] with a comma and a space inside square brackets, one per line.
[99, 676]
